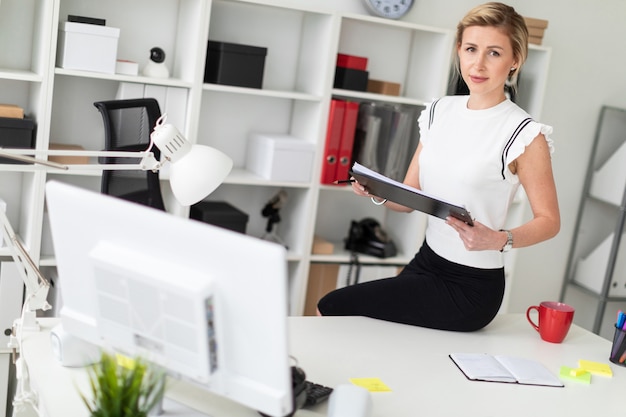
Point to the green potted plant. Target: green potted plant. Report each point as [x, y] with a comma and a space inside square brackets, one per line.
[123, 388]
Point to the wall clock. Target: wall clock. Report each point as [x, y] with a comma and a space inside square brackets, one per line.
[392, 9]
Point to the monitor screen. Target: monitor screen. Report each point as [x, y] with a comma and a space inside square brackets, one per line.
[206, 303]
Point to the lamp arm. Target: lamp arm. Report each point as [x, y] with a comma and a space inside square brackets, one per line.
[148, 161]
[37, 286]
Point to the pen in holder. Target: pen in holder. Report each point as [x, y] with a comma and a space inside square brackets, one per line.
[618, 349]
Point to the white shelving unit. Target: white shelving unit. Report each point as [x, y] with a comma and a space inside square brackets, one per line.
[302, 43]
[595, 273]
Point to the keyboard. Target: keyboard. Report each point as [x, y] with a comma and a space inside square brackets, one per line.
[316, 393]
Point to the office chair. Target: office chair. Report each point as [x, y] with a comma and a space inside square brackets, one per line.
[127, 127]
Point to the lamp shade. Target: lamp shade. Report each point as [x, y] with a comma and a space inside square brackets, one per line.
[196, 170]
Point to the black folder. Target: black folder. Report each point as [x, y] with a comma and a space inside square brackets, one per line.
[400, 193]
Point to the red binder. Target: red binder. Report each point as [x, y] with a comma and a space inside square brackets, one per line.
[348, 130]
[333, 140]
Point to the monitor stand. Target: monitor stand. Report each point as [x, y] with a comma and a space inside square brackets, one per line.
[172, 408]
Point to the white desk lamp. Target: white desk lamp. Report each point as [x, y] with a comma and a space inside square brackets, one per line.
[195, 172]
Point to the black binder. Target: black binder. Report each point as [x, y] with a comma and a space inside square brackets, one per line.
[400, 193]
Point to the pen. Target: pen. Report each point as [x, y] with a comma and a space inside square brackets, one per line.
[618, 349]
[344, 181]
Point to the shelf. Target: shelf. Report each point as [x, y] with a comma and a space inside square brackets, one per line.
[589, 269]
[242, 176]
[290, 95]
[597, 258]
[168, 82]
[20, 75]
[343, 257]
[609, 182]
[364, 96]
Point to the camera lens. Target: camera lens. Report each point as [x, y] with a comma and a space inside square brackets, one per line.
[157, 55]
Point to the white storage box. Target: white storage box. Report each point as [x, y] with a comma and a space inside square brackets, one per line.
[87, 47]
[280, 157]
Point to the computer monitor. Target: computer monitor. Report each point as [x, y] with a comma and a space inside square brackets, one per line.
[206, 303]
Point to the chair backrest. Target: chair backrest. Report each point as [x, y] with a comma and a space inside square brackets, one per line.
[127, 127]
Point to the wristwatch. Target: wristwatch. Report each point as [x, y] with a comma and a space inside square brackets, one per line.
[509, 241]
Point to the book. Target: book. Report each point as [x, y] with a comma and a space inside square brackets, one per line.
[385, 187]
[501, 368]
[333, 141]
[346, 143]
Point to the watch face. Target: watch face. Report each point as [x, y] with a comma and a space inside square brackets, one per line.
[392, 9]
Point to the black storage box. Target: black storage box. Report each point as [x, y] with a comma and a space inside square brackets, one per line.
[220, 213]
[351, 79]
[16, 133]
[235, 64]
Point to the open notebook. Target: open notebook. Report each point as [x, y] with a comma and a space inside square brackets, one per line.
[499, 368]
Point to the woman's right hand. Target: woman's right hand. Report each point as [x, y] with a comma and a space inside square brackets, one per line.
[359, 189]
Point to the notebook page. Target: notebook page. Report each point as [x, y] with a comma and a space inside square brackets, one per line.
[528, 371]
[480, 366]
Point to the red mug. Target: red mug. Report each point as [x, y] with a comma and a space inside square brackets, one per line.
[555, 320]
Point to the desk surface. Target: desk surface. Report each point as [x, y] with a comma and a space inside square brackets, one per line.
[412, 361]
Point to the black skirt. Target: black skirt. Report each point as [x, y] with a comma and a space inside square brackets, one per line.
[429, 292]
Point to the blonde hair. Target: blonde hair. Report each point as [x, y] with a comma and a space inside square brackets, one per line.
[505, 18]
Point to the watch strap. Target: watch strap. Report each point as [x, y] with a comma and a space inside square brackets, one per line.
[509, 241]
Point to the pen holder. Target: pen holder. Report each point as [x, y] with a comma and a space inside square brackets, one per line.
[618, 349]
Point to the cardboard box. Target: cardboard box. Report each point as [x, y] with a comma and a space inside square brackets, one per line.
[536, 32]
[536, 23]
[65, 159]
[322, 280]
[87, 47]
[352, 61]
[280, 157]
[235, 64]
[322, 246]
[536, 29]
[383, 87]
[11, 110]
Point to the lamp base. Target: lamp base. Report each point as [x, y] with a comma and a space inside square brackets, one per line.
[72, 351]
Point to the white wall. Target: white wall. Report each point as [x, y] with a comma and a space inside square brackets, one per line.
[587, 70]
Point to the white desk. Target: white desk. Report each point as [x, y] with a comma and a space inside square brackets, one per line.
[412, 361]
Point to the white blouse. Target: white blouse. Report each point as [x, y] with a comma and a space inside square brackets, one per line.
[464, 160]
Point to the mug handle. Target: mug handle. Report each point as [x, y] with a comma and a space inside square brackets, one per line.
[532, 323]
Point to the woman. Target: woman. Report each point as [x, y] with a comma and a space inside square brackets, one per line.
[476, 150]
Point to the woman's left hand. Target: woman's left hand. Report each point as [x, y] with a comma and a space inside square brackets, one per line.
[477, 237]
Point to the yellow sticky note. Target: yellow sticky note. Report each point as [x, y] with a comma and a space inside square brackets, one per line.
[578, 375]
[371, 384]
[124, 361]
[596, 368]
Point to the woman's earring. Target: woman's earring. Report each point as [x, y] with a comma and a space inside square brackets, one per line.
[513, 68]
